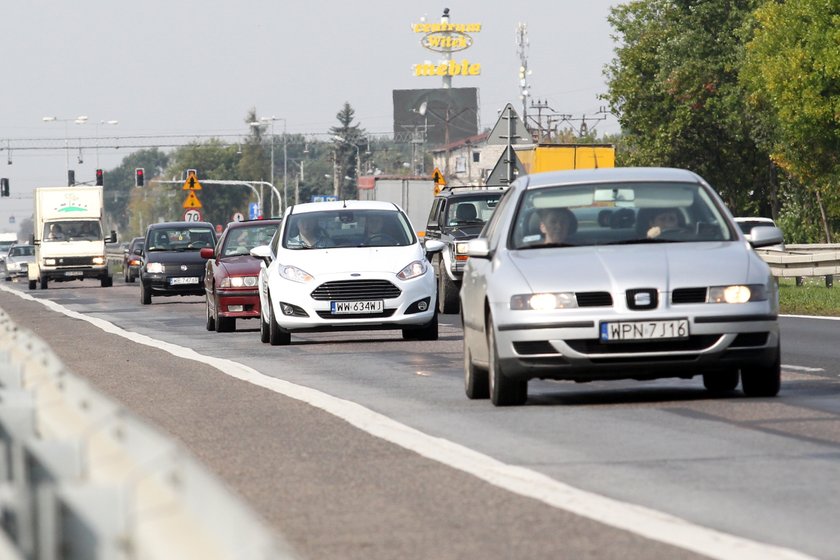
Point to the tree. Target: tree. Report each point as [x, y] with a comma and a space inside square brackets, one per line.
[345, 153]
[791, 71]
[674, 86]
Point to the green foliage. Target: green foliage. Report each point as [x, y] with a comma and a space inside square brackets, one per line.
[792, 71]
[674, 86]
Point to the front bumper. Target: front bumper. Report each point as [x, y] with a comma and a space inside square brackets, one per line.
[248, 300]
[295, 309]
[570, 348]
[161, 284]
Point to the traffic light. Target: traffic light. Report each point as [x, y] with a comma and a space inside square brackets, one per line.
[100, 178]
[139, 177]
[4, 187]
[71, 177]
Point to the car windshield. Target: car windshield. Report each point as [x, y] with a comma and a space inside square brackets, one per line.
[616, 214]
[473, 211]
[347, 228]
[180, 239]
[240, 240]
[73, 230]
[22, 251]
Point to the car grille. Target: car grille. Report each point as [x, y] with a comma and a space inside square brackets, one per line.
[594, 299]
[692, 343]
[329, 315]
[689, 295]
[353, 290]
[74, 261]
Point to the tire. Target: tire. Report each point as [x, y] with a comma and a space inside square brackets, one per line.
[33, 284]
[264, 329]
[145, 293]
[107, 281]
[223, 324]
[429, 330]
[125, 275]
[448, 301]
[210, 321]
[763, 381]
[45, 282]
[721, 381]
[476, 380]
[504, 391]
[130, 278]
[276, 337]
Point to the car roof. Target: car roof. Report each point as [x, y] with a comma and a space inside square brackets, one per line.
[458, 192]
[164, 225]
[341, 205]
[253, 223]
[756, 219]
[610, 174]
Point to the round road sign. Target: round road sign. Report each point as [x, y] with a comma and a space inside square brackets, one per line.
[238, 217]
[192, 215]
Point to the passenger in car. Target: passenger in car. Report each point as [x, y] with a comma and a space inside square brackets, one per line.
[556, 224]
[662, 219]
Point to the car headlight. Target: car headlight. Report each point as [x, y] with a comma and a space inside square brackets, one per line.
[737, 293]
[461, 248]
[98, 260]
[49, 262]
[294, 274]
[154, 268]
[413, 270]
[239, 282]
[543, 302]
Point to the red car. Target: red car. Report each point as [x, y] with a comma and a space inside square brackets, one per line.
[230, 282]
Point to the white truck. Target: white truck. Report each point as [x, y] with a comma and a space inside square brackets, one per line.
[68, 236]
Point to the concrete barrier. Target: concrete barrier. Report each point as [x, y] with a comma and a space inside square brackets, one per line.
[82, 478]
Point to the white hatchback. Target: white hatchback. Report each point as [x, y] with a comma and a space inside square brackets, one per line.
[348, 265]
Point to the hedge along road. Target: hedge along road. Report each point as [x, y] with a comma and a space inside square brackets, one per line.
[322, 469]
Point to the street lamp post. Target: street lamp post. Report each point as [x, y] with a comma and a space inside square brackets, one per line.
[81, 119]
[281, 204]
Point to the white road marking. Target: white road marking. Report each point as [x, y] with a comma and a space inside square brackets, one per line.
[649, 523]
[802, 368]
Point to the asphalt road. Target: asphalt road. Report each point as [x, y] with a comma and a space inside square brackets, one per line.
[419, 471]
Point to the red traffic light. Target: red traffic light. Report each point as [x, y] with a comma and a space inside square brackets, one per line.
[139, 177]
[100, 176]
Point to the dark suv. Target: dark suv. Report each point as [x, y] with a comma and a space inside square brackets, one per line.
[458, 214]
[172, 261]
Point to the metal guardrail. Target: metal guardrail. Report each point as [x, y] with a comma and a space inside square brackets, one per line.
[800, 261]
[81, 478]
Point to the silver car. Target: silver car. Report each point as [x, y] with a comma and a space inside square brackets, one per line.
[17, 260]
[634, 273]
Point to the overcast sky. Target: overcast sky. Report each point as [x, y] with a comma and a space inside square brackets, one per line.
[198, 66]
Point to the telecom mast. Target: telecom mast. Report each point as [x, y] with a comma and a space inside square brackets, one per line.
[522, 48]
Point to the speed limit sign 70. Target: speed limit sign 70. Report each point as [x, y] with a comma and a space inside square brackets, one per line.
[192, 215]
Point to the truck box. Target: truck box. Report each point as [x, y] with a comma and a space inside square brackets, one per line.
[557, 157]
[69, 236]
[414, 195]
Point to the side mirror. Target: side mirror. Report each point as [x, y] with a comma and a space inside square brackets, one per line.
[111, 238]
[478, 248]
[764, 236]
[262, 252]
[206, 252]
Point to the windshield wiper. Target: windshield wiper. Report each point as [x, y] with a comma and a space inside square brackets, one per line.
[548, 245]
